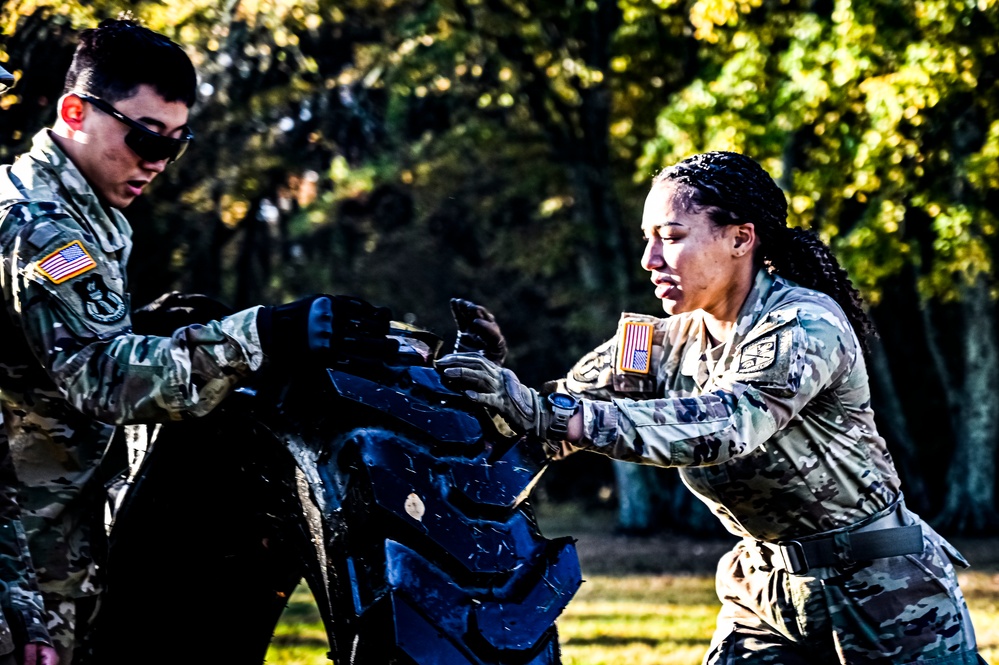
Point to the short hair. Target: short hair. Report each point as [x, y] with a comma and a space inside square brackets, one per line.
[119, 55]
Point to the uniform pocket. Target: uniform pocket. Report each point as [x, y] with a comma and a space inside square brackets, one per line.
[904, 608]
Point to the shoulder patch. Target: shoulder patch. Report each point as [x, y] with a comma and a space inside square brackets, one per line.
[759, 354]
[101, 303]
[42, 234]
[635, 347]
[66, 262]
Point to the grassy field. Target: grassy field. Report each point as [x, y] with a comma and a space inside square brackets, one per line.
[644, 601]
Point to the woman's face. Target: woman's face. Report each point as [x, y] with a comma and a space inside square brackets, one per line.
[695, 264]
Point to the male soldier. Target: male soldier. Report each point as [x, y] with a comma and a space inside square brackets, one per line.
[70, 366]
[22, 621]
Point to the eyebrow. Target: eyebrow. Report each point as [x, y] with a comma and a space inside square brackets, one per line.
[664, 224]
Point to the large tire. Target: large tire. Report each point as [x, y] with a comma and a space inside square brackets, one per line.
[401, 504]
[433, 555]
[205, 550]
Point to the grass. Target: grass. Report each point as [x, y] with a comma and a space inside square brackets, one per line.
[634, 607]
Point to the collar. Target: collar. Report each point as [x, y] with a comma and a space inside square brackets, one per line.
[695, 363]
[755, 304]
[51, 175]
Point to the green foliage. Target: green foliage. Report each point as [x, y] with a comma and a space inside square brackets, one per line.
[409, 151]
[876, 116]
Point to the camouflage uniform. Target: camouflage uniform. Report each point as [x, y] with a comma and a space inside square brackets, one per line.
[70, 369]
[20, 599]
[773, 430]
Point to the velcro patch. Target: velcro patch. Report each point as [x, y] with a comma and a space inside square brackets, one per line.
[66, 262]
[635, 348]
[99, 302]
[758, 355]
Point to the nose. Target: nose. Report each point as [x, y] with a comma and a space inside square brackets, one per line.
[156, 167]
[652, 257]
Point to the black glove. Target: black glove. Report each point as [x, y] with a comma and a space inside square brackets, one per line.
[477, 331]
[332, 328]
[175, 310]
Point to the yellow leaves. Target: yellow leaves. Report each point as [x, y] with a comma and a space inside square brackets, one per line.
[621, 128]
[706, 15]
[232, 210]
[552, 205]
[9, 100]
[983, 166]
[799, 204]
[620, 63]
[961, 252]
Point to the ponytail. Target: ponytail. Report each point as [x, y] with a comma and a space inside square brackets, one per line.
[800, 256]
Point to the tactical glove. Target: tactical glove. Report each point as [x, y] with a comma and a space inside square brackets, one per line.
[477, 331]
[294, 330]
[176, 310]
[499, 389]
[331, 328]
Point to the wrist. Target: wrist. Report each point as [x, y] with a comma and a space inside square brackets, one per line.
[560, 409]
[575, 429]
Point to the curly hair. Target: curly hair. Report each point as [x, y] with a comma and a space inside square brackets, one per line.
[735, 189]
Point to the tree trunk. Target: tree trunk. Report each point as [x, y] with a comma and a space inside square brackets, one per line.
[894, 427]
[969, 506]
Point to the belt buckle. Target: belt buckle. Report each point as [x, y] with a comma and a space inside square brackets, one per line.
[794, 556]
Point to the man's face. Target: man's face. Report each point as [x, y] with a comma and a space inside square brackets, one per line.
[689, 256]
[115, 172]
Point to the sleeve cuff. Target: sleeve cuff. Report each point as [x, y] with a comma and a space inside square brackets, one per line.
[600, 424]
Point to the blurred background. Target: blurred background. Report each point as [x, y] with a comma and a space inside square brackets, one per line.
[408, 151]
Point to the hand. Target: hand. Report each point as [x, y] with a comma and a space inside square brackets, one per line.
[176, 310]
[40, 654]
[489, 384]
[477, 331]
[341, 326]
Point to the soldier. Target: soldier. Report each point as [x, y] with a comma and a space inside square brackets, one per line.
[22, 622]
[70, 366]
[755, 387]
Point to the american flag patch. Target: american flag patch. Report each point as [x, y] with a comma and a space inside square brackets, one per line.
[67, 262]
[635, 349]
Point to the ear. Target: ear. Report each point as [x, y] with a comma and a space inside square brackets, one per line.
[71, 111]
[743, 239]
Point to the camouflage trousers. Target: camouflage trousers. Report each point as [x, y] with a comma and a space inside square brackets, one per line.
[903, 609]
[69, 622]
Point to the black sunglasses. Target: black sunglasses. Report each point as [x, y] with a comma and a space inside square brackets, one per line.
[144, 142]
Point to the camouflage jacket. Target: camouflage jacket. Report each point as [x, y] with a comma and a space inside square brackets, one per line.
[772, 429]
[20, 600]
[70, 367]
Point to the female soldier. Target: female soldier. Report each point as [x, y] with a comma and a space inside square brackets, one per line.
[755, 387]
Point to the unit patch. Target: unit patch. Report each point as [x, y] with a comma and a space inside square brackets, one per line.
[758, 355]
[66, 262]
[101, 303]
[635, 347]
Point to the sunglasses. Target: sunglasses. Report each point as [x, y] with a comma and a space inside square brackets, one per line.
[144, 142]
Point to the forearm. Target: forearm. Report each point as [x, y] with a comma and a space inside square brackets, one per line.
[689, 431]
[135, 378]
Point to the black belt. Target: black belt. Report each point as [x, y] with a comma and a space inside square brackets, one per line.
[802, 555]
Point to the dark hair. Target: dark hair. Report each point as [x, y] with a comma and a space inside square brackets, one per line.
[736, 190]
[119, 55]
